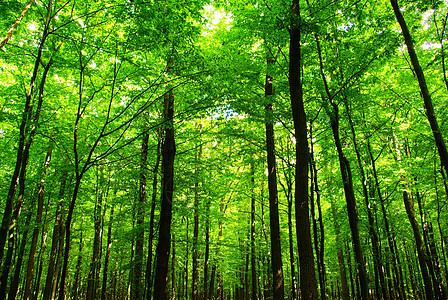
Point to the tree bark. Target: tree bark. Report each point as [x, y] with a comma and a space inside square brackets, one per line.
[16, 278]
[430, 114]
[57, 234]
[252, 234]
[95, 263]
[163, 247]
[276, 251]
[308, 282]
[25, 132]
[148, 278]
[137, 289]
[409, 205]
[345, 293]
[38, 223]
[380, 282]
[318, 241]
[195, 271]
[104, 292]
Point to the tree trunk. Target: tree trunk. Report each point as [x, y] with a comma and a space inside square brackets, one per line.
[18, 266]
[148, 279]
[252, 234]
[77, 272]
[352, 209]
[43, 243]
[409, 205]
[57, 235]
[26, 134]
[137, 289]
[380, 282]
[441, 147]
[207, 249]
[276, 252]
[38, 223]
[318, 242]
[345, 293]
[95, 264]
[308, 282]
[195, 272]
[390, 237]
[173, 269]
[104, 292]
[163, 247]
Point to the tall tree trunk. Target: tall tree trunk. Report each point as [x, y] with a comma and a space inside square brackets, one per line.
[409, 205]
[163, 247]
[173, 269]
[389, 234]
[345, 293]
[77, 275]
[33, 118]
[308, 282]
[347, 180]
[137, 289]
[26, 131]
[207, 249]
[318, 242]
[441, 147]
[276, 252]
[148, 278]
[186, 260]
[57, 235]
[352, 209]
[380, 282]
[104, 292]
[252, 234]
[43, 243]
[18, 266]
[195, 272]
[38, 223]
[95, 264]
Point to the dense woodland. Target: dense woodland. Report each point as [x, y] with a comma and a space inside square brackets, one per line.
[223, 149]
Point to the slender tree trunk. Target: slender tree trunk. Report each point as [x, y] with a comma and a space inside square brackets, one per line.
[207, 249]
[26, 133]
[212, 283]
[78, 270]
[95, 264]
[409, 205]
[345, 293]
[347, 180]
[38, 223]
[148, 279]
[15, 282]
[163, 247]
[276, 252]
[195, 272]
[308, 282]
[21, 180]
[252, 234]
[350, 272]
[351, 204]
[380, 282]
[318, 242]
[173, 269]
[441, 147]
[390, 237]
[36, 285]
[57, 234]
[137, 289]
[104, 292]
[186, 260]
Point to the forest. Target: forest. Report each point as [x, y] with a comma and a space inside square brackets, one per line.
[223, 149]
